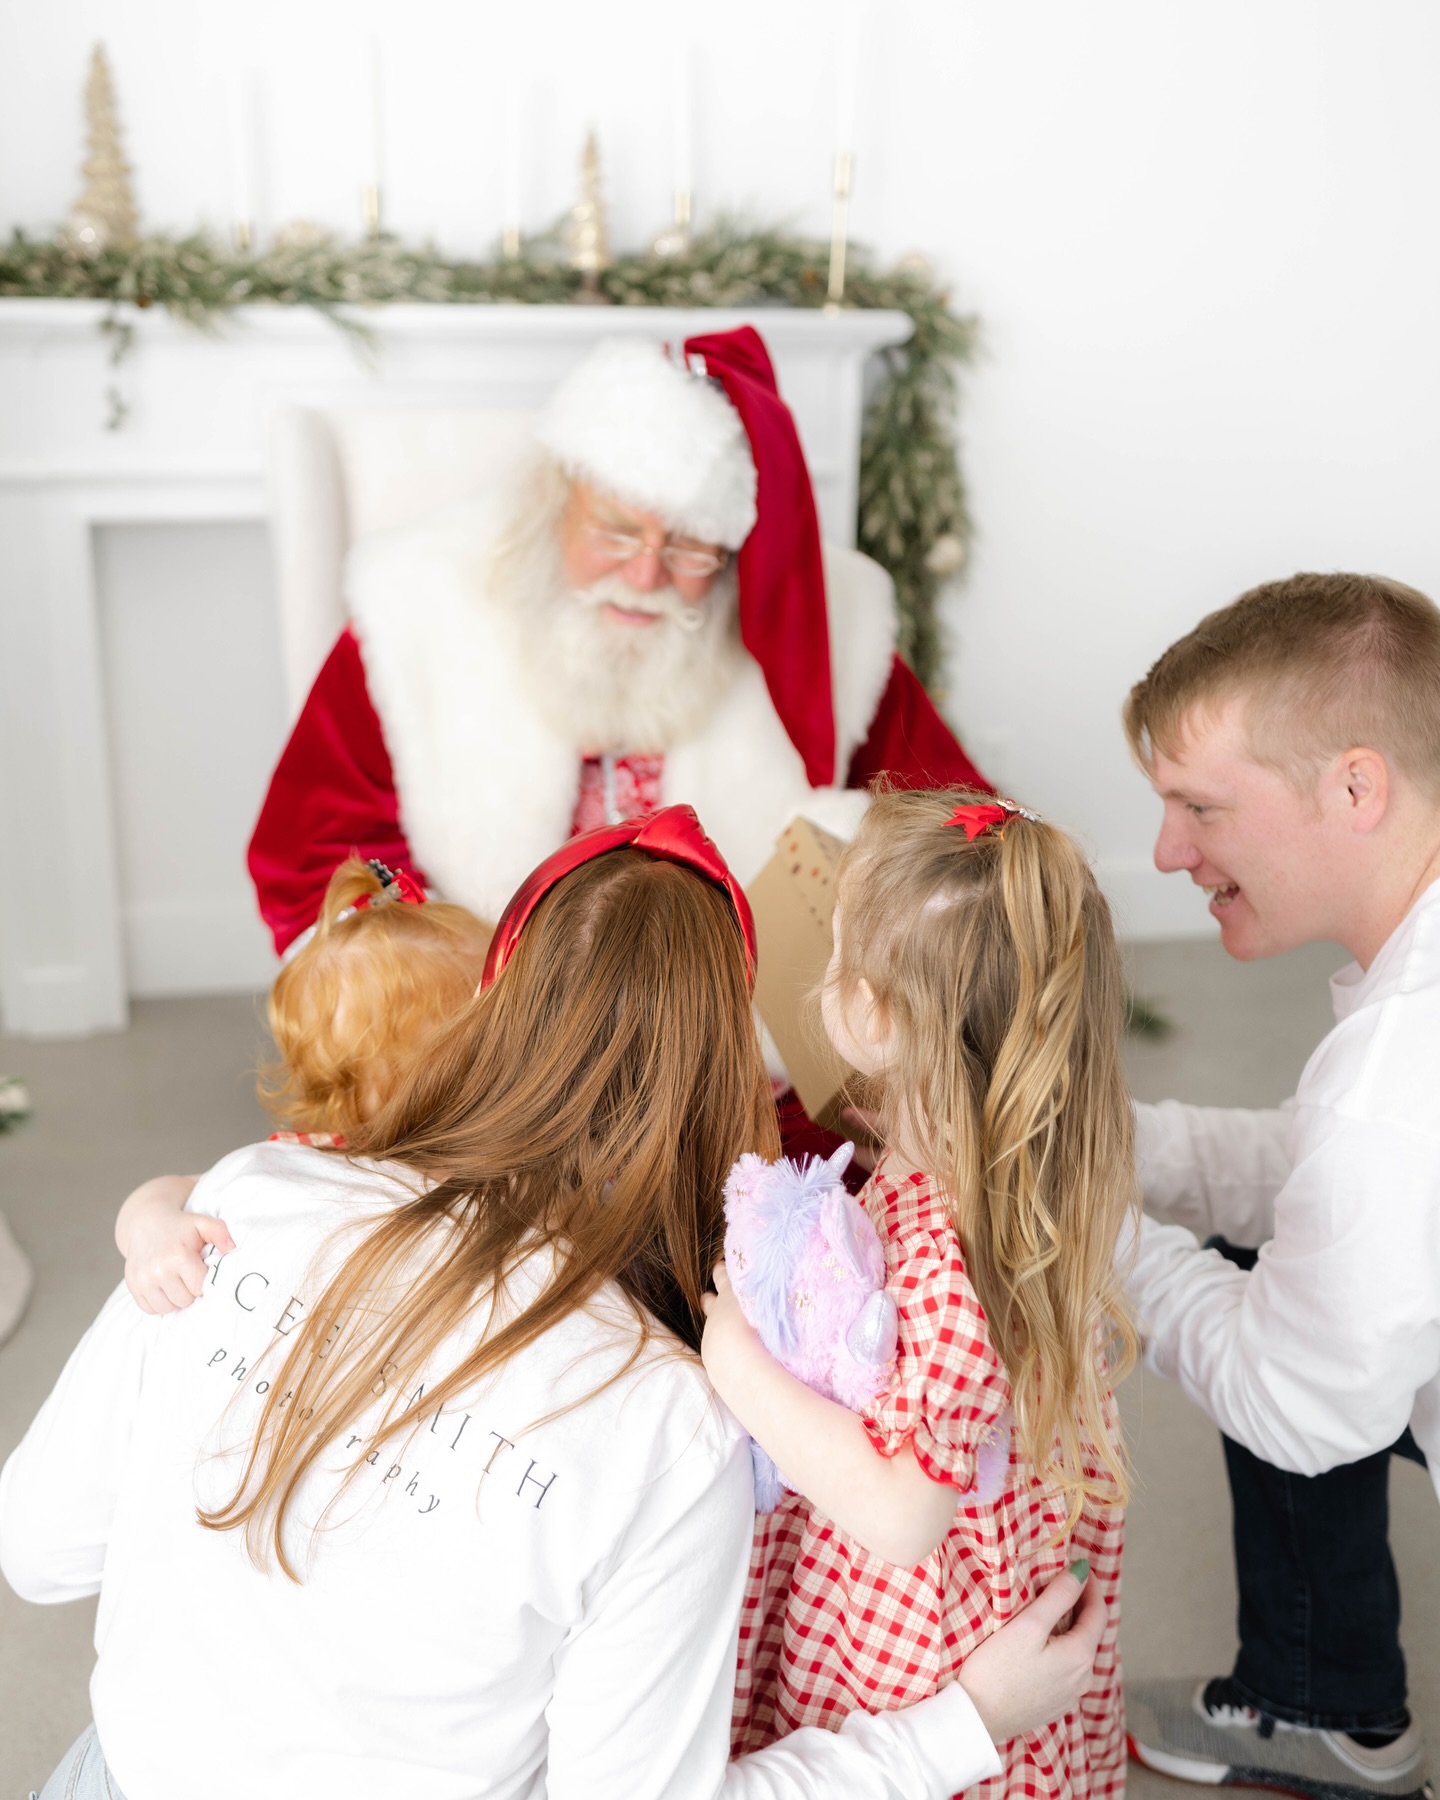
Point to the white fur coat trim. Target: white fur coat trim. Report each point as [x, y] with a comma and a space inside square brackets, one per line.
[487, 789]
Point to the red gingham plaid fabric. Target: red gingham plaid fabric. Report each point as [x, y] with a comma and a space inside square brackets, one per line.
[825, 1627]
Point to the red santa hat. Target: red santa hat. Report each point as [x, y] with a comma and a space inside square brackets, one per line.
[702, 439]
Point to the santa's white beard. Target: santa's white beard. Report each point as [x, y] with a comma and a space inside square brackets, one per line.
[612, 686]
[603, 685]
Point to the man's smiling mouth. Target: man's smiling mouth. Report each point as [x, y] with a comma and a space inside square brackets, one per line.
[1222, 894]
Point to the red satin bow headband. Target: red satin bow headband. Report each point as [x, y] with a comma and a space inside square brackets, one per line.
[988, 815]
[674, 834]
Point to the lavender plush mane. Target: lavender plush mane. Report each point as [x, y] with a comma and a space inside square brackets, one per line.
[809, 1272]
[808, 1269]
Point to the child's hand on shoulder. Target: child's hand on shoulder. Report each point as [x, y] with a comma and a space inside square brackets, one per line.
[164, 1246]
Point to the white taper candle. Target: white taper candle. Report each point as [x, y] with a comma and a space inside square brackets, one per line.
[847, 75]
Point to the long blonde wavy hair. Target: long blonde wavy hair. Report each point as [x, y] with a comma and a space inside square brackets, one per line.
[994, 966]
[590, 1102]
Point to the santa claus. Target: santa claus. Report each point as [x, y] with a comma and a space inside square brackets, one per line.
[642, 615]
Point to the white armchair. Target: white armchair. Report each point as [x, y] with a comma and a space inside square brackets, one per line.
[338, 475]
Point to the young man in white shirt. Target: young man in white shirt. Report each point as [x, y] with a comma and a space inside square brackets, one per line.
[1294, 739]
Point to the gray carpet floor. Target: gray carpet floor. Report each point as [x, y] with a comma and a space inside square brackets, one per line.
[174, 1093]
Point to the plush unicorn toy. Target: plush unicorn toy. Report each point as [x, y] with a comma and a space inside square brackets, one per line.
[808, 1269]
[809, 1272]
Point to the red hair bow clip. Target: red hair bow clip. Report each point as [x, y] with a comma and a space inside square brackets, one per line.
[395, 885]
[987, 815]
[674, 834]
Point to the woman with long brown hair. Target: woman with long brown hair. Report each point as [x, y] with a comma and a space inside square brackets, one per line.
[429, 1488]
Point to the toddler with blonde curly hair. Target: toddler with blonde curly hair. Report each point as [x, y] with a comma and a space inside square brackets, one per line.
[381, 969]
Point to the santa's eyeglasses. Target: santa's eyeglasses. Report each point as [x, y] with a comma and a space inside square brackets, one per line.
[679, 559]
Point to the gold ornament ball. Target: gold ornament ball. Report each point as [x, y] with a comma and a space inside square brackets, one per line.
[946, 556]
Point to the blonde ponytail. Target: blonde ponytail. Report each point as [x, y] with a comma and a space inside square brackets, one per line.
[995, 963]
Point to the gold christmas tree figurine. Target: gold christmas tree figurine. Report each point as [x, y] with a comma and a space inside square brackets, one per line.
[104, 215]
[589, 246]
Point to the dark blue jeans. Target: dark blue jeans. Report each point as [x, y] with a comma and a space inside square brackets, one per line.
[1319, 1619]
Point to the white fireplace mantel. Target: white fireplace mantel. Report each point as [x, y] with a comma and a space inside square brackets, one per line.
[193, 448]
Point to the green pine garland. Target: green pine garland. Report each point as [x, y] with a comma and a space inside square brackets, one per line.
[913, 518]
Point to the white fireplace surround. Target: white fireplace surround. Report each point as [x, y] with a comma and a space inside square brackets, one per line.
[216, 424]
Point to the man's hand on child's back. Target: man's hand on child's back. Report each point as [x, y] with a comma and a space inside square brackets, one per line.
[164, 1246]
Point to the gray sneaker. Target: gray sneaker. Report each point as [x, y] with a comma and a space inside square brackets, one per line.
[1173, 1730]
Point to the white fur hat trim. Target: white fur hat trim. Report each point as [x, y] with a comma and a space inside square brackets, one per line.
[647, 430]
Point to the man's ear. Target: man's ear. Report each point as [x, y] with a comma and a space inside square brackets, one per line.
[1363, 787]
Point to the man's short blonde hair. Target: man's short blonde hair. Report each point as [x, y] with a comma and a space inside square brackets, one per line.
[1323, 663]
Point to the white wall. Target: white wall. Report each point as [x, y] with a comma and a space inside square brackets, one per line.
[190, 661]
[1204, 242]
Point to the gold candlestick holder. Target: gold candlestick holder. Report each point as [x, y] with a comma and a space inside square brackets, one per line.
[675, 240]
[839, 227]
[510, 243]
[244, 235]
[370, 210]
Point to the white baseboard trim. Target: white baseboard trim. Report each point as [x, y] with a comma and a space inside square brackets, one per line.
[60, 1000]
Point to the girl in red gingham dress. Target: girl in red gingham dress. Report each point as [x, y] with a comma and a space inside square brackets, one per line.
[975, 978]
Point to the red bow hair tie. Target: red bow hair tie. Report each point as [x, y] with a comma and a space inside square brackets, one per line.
[674, 834]
[395, 885]
[988, 815]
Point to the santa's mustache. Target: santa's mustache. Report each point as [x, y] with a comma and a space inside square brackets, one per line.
[660, 603]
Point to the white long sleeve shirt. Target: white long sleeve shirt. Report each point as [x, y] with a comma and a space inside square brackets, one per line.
[497, 1607]
[1331, 1345]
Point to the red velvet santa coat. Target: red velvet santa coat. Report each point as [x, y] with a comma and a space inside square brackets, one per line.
[419, 745]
